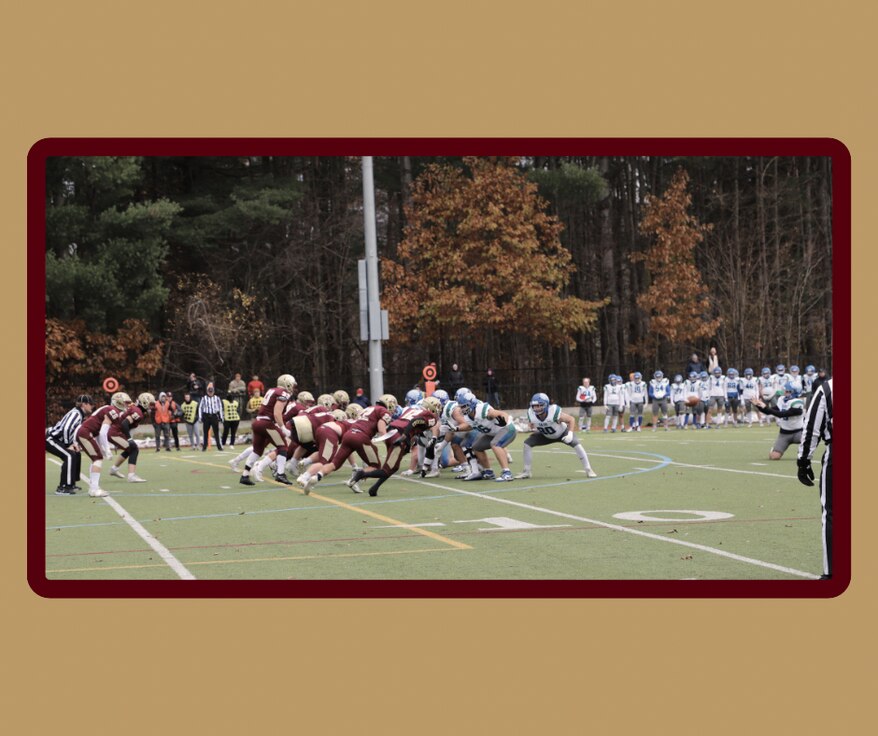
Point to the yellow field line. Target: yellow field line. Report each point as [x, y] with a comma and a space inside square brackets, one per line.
[257, 559]
[341, 504]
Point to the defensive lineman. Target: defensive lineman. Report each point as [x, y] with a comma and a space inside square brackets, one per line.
[551, 425]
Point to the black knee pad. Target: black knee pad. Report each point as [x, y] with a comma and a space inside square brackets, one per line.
[132, 452]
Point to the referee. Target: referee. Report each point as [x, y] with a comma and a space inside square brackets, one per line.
[818, 425]
[61, 442]
[210, 412]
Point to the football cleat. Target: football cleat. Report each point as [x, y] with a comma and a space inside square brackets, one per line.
[97, 493]
[458, 468]
[282, 478]
[246, 480]
[590, 473]
[134, 478]
[233, 464]
[353, 485]
[408, 472]
[116, 473]
[432, 474]
[471, 476]
[65, 491]
[504, 476]
[523, 474]
[257, 476]
[488, 474]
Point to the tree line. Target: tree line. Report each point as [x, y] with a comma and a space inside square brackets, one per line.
[545, 269]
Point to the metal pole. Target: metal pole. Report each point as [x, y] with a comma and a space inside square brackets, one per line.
[376, 366]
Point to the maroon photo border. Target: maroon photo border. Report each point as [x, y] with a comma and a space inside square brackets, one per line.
[841, 304]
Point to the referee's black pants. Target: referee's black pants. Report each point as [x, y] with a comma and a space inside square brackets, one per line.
[826, 502]
[70, 462]
[211, 421]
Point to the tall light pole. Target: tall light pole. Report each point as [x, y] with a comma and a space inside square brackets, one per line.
[373, 320]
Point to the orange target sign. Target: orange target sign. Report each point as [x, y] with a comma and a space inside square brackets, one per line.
[110, 384]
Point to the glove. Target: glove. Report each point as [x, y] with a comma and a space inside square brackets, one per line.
[568, 438]
[805, 473]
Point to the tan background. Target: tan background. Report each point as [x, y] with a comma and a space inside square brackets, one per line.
[461, 69]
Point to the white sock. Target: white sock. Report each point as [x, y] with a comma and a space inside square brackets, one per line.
[581, 454]
[94, 479]
[281, 464]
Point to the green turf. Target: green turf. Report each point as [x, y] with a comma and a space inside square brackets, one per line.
[218, 529]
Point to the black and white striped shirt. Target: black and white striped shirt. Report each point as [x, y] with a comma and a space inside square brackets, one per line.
[818, 421]
[210, 405]
[64, 432]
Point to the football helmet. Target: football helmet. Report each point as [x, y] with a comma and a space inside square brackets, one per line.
[791, 389]
[658, 375]
[766, 371]
[810, 369]
[306, 398]
[794, 369]
[442, 395]
[460, 393]
[121, 400]
[341, 398]
[146, 401]
[353, 411]
[780, 369]
[339, 415]
[732, 373]
[717, 371]
[693, 375]
[325, 400]
[413, 396]
[431, 404]
[678, 378]
[703, 375]
[748, 372]
[540, 404]
[637, 375]
[287, 381]
[388, 401]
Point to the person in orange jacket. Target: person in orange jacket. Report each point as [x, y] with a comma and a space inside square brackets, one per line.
[163, 422]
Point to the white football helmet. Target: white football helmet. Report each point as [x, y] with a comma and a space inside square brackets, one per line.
[287, 381]
[341, 398]
[353, 411]
[305, 398]
[388, 401]
[146, 401]
[339, 415]
[120, 400]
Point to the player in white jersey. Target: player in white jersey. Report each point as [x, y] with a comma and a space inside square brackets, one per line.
[716, 397]
[614, 401]
[749, 393]
[796, 378]
[453, 431]
[551, 425]
[637, 392]
[733, 395]
[678, 399]
[767, 392]
[790, 413]
[692, 387]
[704, 395]
[586, 397]
[808, 384]
[659, 388]
[495, 430]
[779, 378]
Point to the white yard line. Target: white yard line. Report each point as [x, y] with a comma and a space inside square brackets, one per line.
[138, 528]
[627, 530]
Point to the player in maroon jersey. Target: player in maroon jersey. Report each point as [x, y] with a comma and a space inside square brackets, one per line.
[357, 439]
[268, 428]
[120, 436]
[414, 421]
[92, 437]
[293, 408]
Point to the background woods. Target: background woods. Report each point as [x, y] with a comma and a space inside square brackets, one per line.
[545, 269]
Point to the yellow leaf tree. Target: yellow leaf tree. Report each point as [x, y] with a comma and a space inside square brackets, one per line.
[481, 252]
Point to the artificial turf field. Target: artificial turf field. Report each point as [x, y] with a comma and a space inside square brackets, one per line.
[711, 505]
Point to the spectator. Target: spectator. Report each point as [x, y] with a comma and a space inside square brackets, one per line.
[231, 418]
[712, 361]
[162, 422]
[190, 415]
[361, 398]
[455, 379]
[254, 403]
[255, 385]
[694, 365]
[492, 390]
[821, 377]
[238, 392]
[176, 416]
[195, 386]
[210, 410]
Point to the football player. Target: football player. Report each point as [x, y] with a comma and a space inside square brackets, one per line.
[586, 397]
[733, 395]
[659, 389]
[614, 401]
[678, 399]
[495, 430]
[749, 393]
[119, 434]
[716, 398]
[551, 425]
[636, 391]
[790, 411]
[268, 428]
[92, 437]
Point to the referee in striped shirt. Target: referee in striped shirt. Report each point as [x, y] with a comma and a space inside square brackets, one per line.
[61, 442]
[818, 426]
[210, 412]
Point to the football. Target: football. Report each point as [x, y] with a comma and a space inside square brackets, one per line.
[692, 399]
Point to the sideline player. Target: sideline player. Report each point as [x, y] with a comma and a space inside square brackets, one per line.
[658, 389]
[586, 397]
[551, 425]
